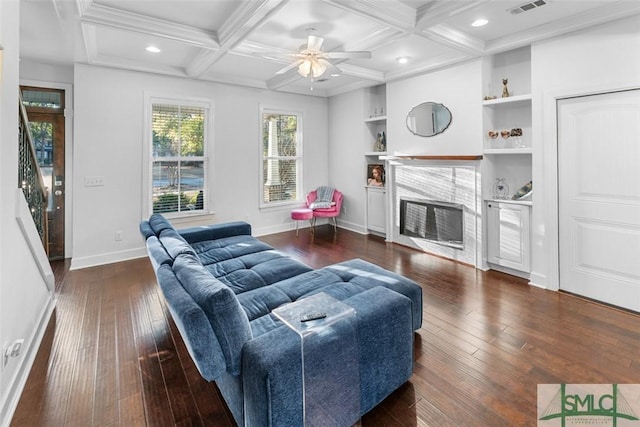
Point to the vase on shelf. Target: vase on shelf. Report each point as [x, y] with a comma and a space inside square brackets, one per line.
[500, 189]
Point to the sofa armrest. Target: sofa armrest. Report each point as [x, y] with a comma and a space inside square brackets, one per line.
[215, 231]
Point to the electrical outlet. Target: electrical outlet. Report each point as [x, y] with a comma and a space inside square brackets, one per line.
[12, 350]
[118, 235]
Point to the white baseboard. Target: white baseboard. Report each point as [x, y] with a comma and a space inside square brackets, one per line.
[8, 406]
[108, 258]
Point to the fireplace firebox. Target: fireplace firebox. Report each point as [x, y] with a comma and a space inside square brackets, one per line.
[436, 221]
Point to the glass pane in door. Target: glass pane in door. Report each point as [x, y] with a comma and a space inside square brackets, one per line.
[42, 134]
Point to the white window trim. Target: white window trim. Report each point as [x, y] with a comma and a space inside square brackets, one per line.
[282, 205]
[147, 149]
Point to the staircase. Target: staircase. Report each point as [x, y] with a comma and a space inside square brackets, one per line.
[30, 178]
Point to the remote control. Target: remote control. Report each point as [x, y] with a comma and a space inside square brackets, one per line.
[313, 316]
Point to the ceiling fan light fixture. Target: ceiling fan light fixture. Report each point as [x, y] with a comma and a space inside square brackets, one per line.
[318, 69]
[304, 68]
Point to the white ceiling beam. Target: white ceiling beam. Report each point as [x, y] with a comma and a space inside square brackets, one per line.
[280, 80]
[245, 19]
[115, 18]
[362, 73]
[449, 36]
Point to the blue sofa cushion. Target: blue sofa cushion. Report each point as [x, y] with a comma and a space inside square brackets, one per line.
[194, 327]
[228, 321]
[157, 253]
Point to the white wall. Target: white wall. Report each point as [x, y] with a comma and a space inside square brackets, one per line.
[108, 141]
[459, 88]
[600, 59]
[347, 142]
[25, 300]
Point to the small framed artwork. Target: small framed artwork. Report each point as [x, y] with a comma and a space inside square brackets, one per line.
[375, 175]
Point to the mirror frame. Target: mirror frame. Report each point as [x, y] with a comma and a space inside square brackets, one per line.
[414, 109]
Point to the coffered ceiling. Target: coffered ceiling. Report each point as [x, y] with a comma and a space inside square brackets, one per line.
[239, 42]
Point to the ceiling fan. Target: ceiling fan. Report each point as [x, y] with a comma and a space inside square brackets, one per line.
[313, 62]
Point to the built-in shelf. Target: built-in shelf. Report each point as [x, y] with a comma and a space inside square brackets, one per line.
[445, 157]
[375, 119]
[509, 100]
[524, 150]
[375, 153]
[514, 202]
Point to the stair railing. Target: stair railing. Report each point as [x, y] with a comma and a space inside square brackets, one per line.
[30, 177]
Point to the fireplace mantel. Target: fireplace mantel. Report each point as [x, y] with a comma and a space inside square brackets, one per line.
[434, 157]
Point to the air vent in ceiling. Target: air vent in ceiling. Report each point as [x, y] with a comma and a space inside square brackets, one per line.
[527, 6]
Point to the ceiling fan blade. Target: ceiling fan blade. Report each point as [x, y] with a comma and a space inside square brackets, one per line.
[314, 42]
[291, 66]
[352, 54]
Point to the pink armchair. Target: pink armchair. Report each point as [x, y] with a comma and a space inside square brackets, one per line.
[331, 212]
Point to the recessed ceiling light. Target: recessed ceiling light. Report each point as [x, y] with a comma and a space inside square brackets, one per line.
[479, 22]
[153, 49]
[402, 59]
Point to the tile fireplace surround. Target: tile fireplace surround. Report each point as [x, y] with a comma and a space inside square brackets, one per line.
[448, 179]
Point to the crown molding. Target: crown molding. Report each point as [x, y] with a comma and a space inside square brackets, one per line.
[129, 21]
[579, 21]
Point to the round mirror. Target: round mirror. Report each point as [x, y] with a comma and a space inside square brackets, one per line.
[428, 119]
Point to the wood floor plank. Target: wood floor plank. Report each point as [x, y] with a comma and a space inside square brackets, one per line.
[488, 339]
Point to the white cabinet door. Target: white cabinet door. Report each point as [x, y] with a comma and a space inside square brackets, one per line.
[508, 235]
[376, 209]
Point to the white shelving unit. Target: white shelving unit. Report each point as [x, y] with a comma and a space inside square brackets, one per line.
[375, 197]
[507, 222]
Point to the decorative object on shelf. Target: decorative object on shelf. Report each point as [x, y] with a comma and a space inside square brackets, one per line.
[381, 143]
[524, 191]
[505, 90]
[500, 189]
[490, 97]
[382, 111]
[516, 133]
[375, 175]
[505, 133]
[493, 134]
[428, 119]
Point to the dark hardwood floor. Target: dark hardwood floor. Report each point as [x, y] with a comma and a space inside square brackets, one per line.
[112, 355]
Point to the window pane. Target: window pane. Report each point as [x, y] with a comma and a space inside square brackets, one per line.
[177, 130]
[166, 130]
[42, 98]
[280, 135]
[192, 131]
[279, 180]
[178, 186]
[165, 187]
[192, 185]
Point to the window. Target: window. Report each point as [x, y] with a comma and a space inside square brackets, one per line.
[178, 157]
[281, 157]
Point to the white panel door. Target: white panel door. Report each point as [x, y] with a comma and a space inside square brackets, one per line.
[599, 197]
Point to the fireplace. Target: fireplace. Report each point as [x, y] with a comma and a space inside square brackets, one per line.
[436, 221]
[436, 206]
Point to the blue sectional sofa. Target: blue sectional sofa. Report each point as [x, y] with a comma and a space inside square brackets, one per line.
[221, 285]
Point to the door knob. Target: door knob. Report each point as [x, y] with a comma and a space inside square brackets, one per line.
[58, 192]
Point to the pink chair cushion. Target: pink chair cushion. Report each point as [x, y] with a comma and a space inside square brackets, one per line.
[302, 213]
